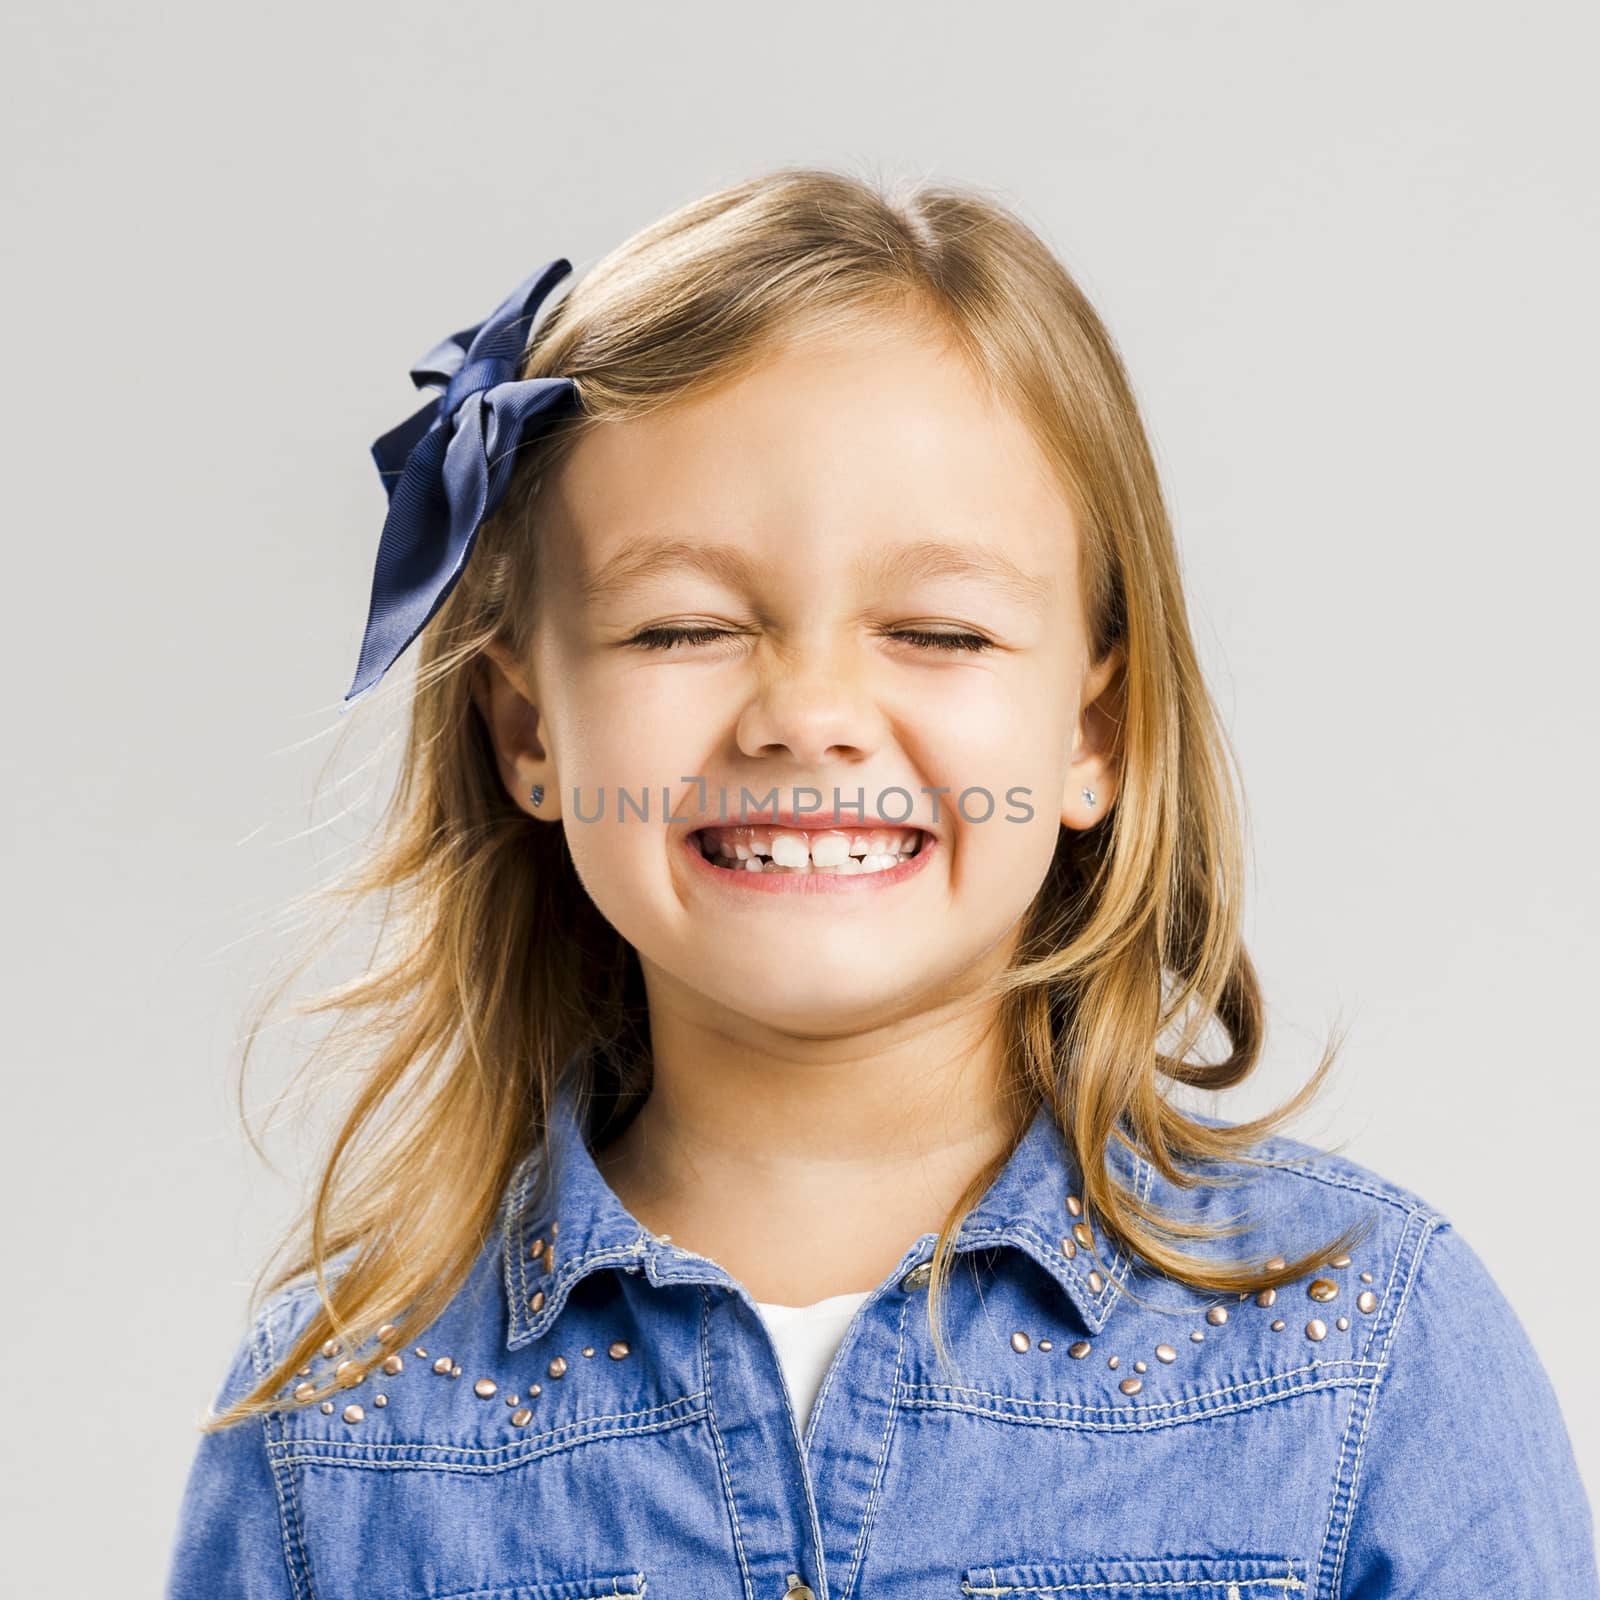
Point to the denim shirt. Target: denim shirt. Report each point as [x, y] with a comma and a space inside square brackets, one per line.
[598, 1412]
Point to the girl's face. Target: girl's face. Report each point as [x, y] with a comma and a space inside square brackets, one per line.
[847, 570]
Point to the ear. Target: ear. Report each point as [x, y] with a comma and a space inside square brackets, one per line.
[1096, 761]
[508, 704]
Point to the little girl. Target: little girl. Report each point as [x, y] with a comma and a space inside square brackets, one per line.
[814, 859]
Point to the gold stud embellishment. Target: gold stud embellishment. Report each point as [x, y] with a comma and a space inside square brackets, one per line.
[1316, 1328]
[327, 1408]
[1079, 1350]
[558, 1366]
[617, 1349]
[1198, 1336]
[521, 1417]
[1141, 1366]
[1366, 1277]
[1366, 1301]
[330, 1348]
[1020, 1342]
[536, 1301]
[1165, 1352]
[588, 1349]
[344, 1370]
[1096, 1282]
[1278, 1324]
[304, 1372]
[536, 1249]
[455, 1370]
[1277, 1264]
[513, 1400]
[1074, 1205]
[1080, 1232]
[485, 1388]
[1069, 1248]
[380, 1399]
[1114, 1362]
[534, 1391]
[555, 1228]
[1340, 1261]
[386, 1332]
[393, 1365]
[353, 1413]
[1323, 1289]
[305, 1391]
[443, 1365]
[1266, 1297]
[1217, 1315]
[1131, 1385]
[421, 1352]
[1045, 1344]
[1342, 1324]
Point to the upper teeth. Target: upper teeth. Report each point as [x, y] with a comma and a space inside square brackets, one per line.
[789, 847]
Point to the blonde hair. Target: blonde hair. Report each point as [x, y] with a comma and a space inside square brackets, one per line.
[494, 969]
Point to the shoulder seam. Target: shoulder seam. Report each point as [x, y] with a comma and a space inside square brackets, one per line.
[289, 1529]
[1409, 1207]
[1432, 1225]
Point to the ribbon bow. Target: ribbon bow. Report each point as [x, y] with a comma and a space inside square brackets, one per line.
[447, 466]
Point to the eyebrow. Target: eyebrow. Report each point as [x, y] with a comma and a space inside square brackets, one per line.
[643, 559]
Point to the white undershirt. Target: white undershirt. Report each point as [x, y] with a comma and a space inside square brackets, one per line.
[806, 1338]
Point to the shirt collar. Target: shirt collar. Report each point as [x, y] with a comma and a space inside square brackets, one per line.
[554, 1237]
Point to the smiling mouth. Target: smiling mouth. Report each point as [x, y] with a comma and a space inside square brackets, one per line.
[801, 852]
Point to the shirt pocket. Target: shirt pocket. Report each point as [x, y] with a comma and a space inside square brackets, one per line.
[1166, 1577]
[624, 1586]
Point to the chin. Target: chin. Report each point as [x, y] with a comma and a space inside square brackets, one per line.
[819, 1009]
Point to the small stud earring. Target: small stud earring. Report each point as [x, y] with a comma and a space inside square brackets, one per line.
[1088, 795]
[537, 795]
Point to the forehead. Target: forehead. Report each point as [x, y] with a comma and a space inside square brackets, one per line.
[881, 430]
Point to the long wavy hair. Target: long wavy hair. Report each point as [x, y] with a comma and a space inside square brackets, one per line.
[494, 976]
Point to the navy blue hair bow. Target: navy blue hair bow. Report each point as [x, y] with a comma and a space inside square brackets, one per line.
[446, 468]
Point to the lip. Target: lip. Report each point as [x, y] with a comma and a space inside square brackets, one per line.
[813, 821]
[808, 882]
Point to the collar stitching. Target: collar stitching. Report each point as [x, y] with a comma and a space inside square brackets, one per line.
[521, 1240]
[567, 1274]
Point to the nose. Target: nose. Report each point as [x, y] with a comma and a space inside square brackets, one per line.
[813, 705]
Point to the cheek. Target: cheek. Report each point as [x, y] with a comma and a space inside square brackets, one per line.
[1003, 763]
[1001, 856]
[634, 734]
[613, 744]
[999, 755]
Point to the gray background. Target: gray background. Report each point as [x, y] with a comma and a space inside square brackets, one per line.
[1349, 254]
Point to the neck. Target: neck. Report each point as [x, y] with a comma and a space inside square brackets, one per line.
[806, 1167]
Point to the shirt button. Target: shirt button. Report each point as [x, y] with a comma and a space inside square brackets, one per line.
[917, 1278]
[798, 1590]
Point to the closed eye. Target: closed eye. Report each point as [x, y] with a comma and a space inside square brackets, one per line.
[928, 639]
[666, 638]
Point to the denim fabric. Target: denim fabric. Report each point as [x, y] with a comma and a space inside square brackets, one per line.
[1415, 1450]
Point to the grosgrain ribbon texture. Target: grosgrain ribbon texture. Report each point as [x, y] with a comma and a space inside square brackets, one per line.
[447, 466]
